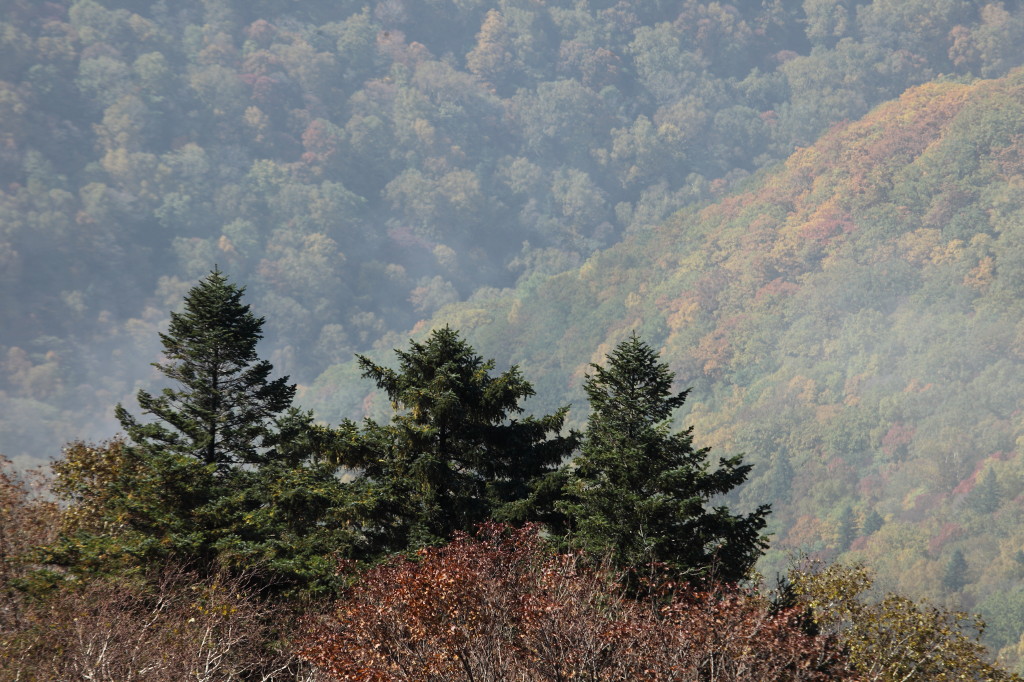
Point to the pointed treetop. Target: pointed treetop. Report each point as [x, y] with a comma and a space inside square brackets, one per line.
[635, 388]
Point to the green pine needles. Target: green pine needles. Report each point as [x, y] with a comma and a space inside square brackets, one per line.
[224, 474]
[641, 493]
[221, 412]
[456, 453]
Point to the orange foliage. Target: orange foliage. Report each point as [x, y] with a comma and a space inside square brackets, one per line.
[805, 533]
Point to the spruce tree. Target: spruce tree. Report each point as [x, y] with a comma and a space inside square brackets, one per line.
[640, 493]
[223, 407]
[456, 453]
[215, 420]
[223, 474]
[954, 574]
[872, 523]
[846, 531]
[985, 496]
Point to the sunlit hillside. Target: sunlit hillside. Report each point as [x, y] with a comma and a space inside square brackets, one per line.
[851, 321]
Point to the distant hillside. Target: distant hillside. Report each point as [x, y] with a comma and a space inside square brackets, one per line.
[853, 321]
[358, 164]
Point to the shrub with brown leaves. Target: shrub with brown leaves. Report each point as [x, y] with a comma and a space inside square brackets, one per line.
[503, 607]
[28, 517]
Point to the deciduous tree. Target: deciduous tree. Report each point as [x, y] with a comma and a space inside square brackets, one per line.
[894, 638]
[504, 607]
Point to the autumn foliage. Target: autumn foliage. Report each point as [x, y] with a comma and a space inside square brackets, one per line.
[178, 626]
[503, 606]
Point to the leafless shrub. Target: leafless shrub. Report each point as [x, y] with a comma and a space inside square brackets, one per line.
[174, 627]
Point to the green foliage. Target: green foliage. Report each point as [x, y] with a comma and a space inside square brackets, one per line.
[954, 576]
[227, 475]
[984, 497]
[220, 414]
[1003, 611]
[135, 139]
[640, 493]
[454, 455]
[849, 320]
[847, 529]
[872, 523]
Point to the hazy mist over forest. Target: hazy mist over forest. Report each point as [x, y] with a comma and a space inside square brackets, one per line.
[359, 165]
[813, 208]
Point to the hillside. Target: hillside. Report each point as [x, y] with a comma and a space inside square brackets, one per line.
[361, 163]
[851, 320]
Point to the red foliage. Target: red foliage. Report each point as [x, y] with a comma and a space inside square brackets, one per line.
[321, 143]
[967, 484]
[871, 486]
[896, 440]
[504, 607]
[777, 287]
[948, 532]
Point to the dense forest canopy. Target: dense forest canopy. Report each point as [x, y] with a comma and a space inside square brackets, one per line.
[218, 542]
[360, 164]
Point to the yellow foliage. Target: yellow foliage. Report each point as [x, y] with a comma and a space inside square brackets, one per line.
[981, 276]
[948, 254]
[893, 639]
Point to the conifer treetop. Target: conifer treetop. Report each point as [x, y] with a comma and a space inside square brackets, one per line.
[221, 409]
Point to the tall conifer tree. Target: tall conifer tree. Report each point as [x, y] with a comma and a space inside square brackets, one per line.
[226, 474]
[225, 402]
[190, 460]
[641, 493]
[457, 453]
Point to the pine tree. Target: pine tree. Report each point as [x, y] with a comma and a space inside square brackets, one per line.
[226, 474]
[872, 523]
[986, 496]
[846, 532]
[455, 455]
[222, 411]
[641, 493]
[954, 575]
[217, 419]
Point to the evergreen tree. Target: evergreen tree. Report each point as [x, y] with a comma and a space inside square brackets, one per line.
[289, 517]
[986, 496]
[640, 492]
[453, 456]
[846, 531]
[226, 474]
[872, 523]
[223, 408]
[954, 575]
[217, 418]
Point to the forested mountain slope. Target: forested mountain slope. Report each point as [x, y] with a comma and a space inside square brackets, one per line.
[852, 321]
[360, 163]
